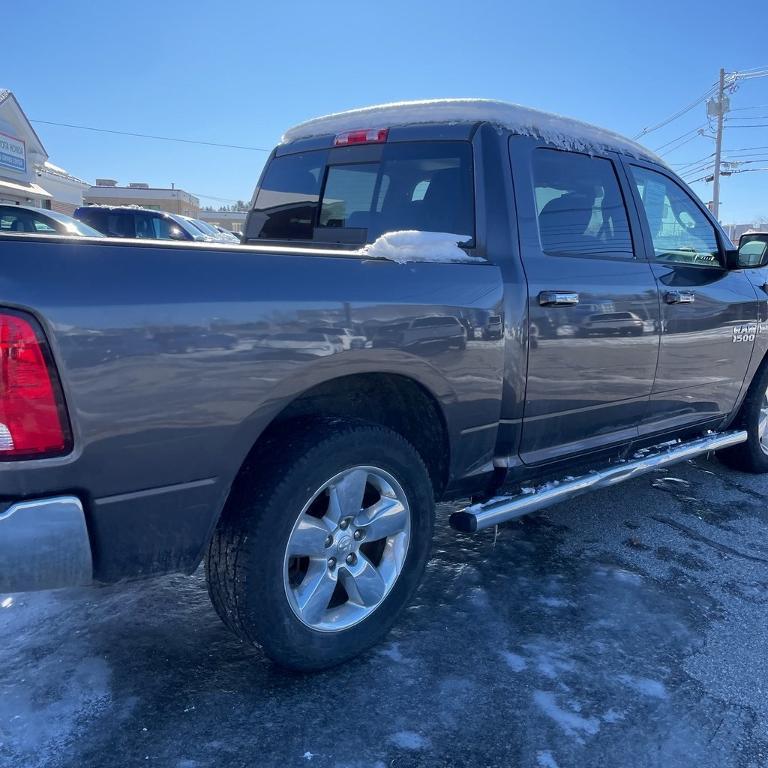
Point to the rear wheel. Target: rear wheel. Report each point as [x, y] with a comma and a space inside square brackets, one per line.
[752, 455]
[315, 558]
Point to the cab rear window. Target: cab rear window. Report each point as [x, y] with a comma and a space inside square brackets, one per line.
[352, 197]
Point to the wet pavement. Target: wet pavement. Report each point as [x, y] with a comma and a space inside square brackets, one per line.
[626, 628]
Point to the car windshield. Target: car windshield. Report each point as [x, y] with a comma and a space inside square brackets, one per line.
[206, 228]
[73, 225]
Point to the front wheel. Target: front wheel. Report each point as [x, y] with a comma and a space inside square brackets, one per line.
[752, 455]
[319, 551]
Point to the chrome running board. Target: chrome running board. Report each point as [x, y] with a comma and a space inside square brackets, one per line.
[503, 508]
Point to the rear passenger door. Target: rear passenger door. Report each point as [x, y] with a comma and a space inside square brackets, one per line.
[589, 376]
[708, 313]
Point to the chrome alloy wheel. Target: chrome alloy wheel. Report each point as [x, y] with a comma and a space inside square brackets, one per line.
[347, 549]
[762, 424]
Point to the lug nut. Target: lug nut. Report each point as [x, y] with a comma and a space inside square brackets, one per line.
[328, 541]
[331, 562]
[351, 559]
[344, 524]
[358, 535]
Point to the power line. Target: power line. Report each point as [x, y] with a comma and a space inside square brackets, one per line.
[681, 144]
[682, 136]
[679, 113]
[150, 136]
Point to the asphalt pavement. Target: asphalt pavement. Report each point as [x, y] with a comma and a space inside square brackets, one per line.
[626, 628]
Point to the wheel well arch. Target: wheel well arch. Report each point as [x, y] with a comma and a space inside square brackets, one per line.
[392, 400]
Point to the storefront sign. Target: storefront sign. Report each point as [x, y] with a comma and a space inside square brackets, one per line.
[13, 153]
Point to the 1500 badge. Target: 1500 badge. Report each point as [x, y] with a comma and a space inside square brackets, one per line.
[746, 331]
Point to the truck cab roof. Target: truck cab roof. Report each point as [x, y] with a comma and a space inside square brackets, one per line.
[564, 132]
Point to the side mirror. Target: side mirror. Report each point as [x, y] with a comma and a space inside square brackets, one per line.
[751, 254]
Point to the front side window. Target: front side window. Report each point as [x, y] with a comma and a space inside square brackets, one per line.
[579, 205]
[425, 186]
[680, 231]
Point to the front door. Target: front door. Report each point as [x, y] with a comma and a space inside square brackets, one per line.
[708, 313]
[593, 305]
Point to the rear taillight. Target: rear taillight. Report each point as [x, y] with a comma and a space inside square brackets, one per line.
[33, 422]
[370, 136]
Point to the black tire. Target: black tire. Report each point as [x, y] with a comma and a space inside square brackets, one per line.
[749, 456]
[245, 560]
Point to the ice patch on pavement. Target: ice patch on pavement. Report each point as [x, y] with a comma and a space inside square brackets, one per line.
[613, 716]
[514, 661]
[392, 651]
[39, 721]
[409, 740]
[670, 483]
[645, 685]
[572, 723]
[550, 659]
[544, 759]
[411, 245]
[556, 602]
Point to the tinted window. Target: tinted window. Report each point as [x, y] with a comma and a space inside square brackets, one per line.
[95, 217]
[286, 206]
[348, 195]
[166, 229]
[680, 231]
[120, 224]
[25, 221]
[425, 186]
[579, 205]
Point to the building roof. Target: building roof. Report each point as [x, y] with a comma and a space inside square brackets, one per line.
[564, 132]
[6, 95]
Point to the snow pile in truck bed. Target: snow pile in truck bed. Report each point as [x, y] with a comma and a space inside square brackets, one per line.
[563, 132]
[412, 245]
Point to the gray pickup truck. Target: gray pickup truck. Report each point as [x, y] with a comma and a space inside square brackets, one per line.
[433, 301]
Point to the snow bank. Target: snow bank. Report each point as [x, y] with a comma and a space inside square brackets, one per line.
[563, 132]
[411, 245]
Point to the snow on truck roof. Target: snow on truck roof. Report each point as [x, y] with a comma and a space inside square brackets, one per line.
[561, 131]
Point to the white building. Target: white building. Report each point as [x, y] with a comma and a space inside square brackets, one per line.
[234, 221]
[171, 199]
[26, 175]
[66, 190]
[21, 152]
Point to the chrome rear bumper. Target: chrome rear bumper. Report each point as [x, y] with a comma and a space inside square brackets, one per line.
[44, 545]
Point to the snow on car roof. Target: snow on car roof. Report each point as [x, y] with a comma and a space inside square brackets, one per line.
[561, 131]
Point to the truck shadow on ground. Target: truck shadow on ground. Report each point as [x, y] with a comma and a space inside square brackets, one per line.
[625, 628]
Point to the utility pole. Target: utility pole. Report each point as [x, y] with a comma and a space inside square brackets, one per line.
[721, 109]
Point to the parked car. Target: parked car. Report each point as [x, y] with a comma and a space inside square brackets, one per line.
[306, 476]
[346, 336]
[209, 230]
[140, 223]
[612, 323]
[228, 235]
[42, 221]
[429, 333]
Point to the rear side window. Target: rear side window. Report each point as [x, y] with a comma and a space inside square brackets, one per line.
[286, 206]
[426, 186]
[94, 217]
[579, 204]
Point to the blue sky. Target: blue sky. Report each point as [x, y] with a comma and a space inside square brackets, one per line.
[241, 72]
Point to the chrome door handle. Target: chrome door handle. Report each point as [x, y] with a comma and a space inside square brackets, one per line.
[679, 297]
[558, 298]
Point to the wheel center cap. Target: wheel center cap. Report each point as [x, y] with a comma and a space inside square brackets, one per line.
[345, 545]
